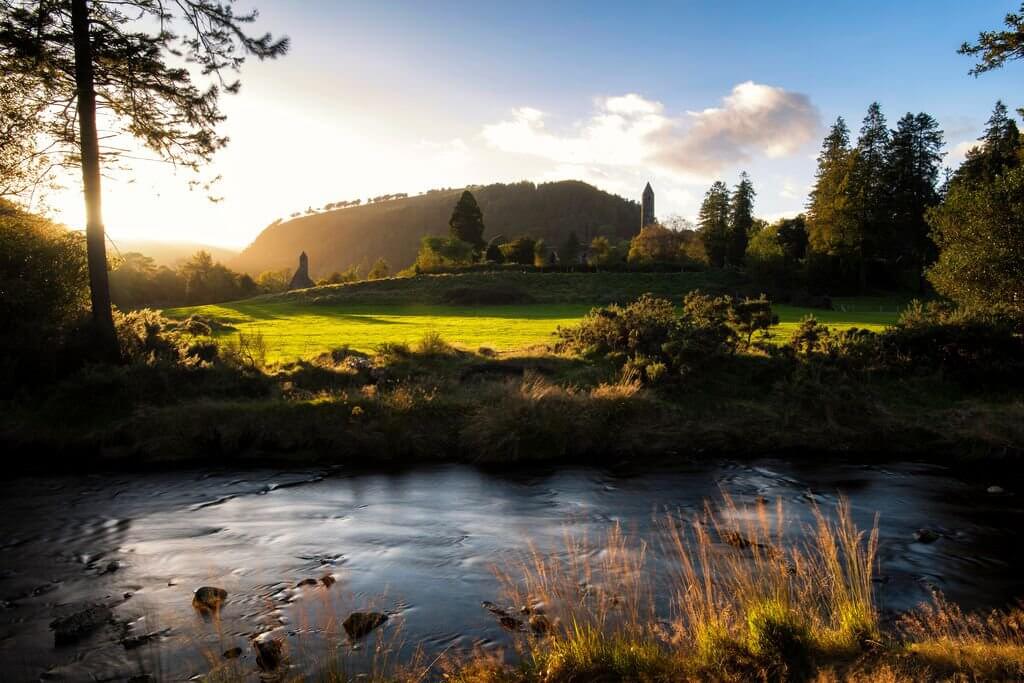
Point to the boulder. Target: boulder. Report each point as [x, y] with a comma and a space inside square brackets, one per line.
[80, 624]
[209, 598]
[359, 624]
[232, 653]
[926, 536]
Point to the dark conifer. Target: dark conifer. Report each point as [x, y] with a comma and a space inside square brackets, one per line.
[467, 221]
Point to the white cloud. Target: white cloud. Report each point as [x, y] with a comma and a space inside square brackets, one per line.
[958, 152]
[630, 131]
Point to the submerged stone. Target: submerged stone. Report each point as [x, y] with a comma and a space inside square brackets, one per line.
[359, 624]
[80, 624]
[209, 598]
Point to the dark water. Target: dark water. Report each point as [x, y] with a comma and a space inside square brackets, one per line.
[419, 545]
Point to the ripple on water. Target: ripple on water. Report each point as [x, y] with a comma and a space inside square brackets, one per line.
[420, 545]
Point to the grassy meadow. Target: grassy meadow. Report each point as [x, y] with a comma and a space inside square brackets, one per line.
[366, 315]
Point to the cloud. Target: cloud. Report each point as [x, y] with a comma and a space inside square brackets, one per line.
[753, 119]
[632, 131]
[958, 152]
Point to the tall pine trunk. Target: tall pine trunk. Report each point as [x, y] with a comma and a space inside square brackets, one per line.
[99, 287]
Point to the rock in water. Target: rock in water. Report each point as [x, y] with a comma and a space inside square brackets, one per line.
[233, 653]
[269, 653]
[80, 624]
[359, 624]
[328, 580]
[209, 599]
[926, 536]
[995, 490]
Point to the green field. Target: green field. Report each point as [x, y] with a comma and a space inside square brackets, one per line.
[294, 329]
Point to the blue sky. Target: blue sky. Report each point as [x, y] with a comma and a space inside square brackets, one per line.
[380, 97]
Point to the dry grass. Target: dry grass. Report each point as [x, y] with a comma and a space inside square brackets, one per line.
[989, 647]
[743, 604]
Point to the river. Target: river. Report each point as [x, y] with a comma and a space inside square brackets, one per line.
[420, 545]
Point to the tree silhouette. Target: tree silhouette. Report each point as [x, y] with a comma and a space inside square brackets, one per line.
[121, 60]
[467, 221]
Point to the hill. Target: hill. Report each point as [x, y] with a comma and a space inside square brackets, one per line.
[172, 254]
[341, 238]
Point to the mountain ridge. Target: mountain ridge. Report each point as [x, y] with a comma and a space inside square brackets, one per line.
[341, 238]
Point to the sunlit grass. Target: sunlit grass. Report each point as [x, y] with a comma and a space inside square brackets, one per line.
[303, 330]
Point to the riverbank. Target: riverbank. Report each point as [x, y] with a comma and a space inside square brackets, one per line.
[433, 403]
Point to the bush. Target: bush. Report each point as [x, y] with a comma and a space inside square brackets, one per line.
[443, 252]
[649, 338]
[44, 291]
[966, 345]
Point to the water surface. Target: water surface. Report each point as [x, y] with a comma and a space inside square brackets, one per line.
[421, 545]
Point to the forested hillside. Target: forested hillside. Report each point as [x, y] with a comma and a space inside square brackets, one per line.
[341, 238]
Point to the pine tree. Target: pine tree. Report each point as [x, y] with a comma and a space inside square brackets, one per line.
[125, 58]
[869, 192]
[713, 223]
[914, 162]
[830, 224]
[467, 222]
[741, 219]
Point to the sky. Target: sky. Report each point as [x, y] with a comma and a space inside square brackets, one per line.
[380, 97]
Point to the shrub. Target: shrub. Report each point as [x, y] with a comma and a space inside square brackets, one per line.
[433, 344]
[966, 345]
[247, 350]
[648, 337]
[443, 252]
[43, 293]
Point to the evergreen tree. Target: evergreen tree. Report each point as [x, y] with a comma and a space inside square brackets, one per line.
[741, 219]
[713, 223]
[571, 249]
[998, 47]
[125, 57]
[914, 162]
[467, 221]
[830, 224]
[869, 192]
[999, 149]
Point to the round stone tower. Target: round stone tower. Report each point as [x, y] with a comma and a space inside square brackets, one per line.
[647, 207]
